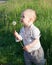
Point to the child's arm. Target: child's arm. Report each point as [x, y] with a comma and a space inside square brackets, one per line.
[30, 45]
[17, 36]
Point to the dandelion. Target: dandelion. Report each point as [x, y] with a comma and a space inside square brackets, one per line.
[14, 23]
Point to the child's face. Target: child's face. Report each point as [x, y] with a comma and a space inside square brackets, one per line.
[25, 19]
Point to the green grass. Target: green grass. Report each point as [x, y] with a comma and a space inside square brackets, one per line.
[11, 53]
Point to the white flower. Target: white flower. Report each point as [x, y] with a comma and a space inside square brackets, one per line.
[14, 23]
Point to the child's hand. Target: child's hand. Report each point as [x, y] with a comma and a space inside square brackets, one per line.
[18, 37]
[26, 48]
[15, 33]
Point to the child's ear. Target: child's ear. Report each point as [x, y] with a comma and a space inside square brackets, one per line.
[31, 19]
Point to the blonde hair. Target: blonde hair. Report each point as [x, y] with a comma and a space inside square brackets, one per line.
[31, 13]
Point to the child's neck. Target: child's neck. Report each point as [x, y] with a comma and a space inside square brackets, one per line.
[27, 26]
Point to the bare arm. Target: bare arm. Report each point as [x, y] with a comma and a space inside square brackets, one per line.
[17, 36]
[30, 45]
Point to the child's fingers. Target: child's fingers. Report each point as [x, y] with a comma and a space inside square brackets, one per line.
[24, 48]
[15, 33]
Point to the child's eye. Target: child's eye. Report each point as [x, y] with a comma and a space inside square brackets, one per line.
[23, 16]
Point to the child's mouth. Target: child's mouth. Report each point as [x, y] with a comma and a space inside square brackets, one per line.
[21, 20]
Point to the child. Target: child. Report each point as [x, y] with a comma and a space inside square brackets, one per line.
[30, 34]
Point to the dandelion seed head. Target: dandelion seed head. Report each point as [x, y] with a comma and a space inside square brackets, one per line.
[14, 23]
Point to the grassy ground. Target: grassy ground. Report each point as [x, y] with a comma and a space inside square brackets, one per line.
[11, 53]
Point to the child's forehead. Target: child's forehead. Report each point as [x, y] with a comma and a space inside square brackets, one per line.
[28, 12]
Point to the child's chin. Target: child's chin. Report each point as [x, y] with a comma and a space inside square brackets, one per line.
[30, 24]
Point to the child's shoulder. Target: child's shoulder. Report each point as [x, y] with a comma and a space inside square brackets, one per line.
[35, 27]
